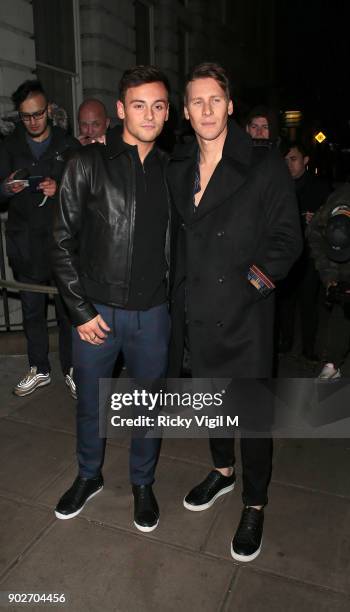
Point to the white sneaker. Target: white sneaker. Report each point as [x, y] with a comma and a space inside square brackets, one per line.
[329, 373]
[71, 384]
[32, 380]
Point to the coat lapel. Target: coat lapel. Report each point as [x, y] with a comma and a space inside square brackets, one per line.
[229, 175]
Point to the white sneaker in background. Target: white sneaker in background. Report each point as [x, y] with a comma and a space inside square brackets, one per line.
[329, 373]
[32, 380]
[71, 384]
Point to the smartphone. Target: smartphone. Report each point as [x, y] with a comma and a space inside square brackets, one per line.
[17, 182]
[34, 182]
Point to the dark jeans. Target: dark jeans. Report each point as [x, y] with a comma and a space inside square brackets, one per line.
[338, 334]
[34, 310]
[299, 290]
[256, 456]
[142, 337]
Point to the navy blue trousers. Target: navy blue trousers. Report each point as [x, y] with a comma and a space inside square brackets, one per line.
[143, 338]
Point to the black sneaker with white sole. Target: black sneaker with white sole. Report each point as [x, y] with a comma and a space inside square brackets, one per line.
[205, 494]
[74, 500]
[146, 510]
[246, 544]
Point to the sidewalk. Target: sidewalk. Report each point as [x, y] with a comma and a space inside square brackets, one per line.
[102, 563]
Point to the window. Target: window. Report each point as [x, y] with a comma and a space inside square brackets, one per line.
[144, 32]
[57, 39]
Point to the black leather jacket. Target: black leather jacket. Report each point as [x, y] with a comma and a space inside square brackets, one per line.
[94, 228]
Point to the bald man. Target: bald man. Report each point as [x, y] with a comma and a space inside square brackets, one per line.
[93, 121]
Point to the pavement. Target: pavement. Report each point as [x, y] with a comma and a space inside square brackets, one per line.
[100, 562]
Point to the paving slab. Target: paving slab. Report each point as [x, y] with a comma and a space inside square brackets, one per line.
[260, 592]
[191, 450]
[322, 465]
[56, 409]
[114, 505]
[30, 457]
[197, 451]
[306, 536]
[23, 523]
[105, 569]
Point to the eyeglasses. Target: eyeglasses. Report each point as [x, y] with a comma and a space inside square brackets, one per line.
[26, 117]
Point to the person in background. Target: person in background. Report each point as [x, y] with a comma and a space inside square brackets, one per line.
[93, 121]
[329, 237]
[301, 287]
[262, 124]
[36, 152]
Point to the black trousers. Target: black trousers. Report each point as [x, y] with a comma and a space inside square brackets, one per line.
[256, 454]
[34, 310]
[299, 290]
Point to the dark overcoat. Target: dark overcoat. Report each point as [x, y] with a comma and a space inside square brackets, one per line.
[248, 215]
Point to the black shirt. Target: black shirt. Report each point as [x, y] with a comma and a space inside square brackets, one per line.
[148, 268]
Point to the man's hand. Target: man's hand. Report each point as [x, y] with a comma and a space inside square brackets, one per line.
[15, 187]
[85, 140]
[48, 186]
[92, 331]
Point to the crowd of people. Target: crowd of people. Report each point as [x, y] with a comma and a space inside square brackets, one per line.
[152, 253]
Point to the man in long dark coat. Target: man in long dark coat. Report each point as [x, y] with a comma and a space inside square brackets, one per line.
[240, 233]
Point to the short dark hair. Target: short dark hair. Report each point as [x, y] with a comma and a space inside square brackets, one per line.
[209, 70]
[287, 145]
[139, 75]
[27, 90]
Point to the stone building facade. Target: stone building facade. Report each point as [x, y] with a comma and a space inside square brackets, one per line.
[80, 48]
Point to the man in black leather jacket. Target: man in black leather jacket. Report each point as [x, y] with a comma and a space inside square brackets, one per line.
[35, 149]
[109, 256]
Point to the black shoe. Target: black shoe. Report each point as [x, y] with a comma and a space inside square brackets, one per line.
[205, 494]
[246, 544]
[146, 511]
[74, 500]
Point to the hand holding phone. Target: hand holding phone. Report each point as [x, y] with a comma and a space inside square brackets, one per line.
[34, 183]
[14, 185]
[48, 186]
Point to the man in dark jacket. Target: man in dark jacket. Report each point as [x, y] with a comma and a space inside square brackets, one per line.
[301, 287]
[35, 151]
[109, 257]
[240, 234]
[329, 237]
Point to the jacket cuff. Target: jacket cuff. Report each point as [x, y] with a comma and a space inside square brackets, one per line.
[82, 314]
[260, 281]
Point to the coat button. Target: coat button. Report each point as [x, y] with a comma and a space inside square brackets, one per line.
[183, 226]
[221, 279]
[219, 324]
[220, 234]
